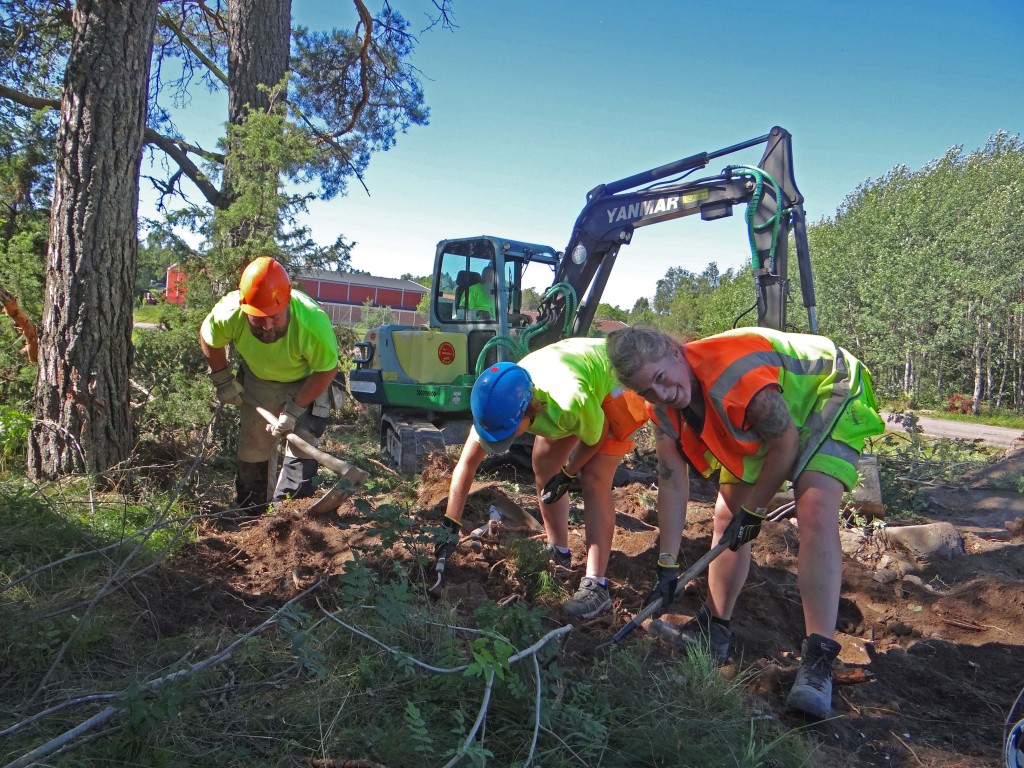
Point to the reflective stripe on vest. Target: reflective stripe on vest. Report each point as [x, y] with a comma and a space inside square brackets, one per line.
[804, 386]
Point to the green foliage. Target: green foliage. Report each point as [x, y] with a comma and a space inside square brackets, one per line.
[330, 70]
[375, 317]
[1009, 481]
[296, 624]
[528, 563]
[261, 149]
[909, 462]
[608, 312]
[175, 396]
[14, 426]
[420, 739]
[918, 274]
[490, 656]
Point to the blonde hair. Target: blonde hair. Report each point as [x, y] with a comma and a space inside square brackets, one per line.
[629, 349]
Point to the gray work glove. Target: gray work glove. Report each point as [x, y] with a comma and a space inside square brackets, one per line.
[285, 423]
[229, 391]
[448, 541]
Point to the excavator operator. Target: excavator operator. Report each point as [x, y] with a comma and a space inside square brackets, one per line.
[481, 296]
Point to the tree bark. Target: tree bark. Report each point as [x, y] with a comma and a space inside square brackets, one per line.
[82, 407]
[259, 36]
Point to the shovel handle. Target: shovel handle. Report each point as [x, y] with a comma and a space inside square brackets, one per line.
[353, 474]
[655, 605]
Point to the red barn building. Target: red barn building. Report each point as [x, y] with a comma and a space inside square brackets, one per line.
[341, 294]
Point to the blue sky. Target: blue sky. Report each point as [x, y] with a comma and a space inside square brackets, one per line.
[535, 102]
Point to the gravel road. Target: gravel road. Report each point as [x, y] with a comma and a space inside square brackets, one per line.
[1003, 437]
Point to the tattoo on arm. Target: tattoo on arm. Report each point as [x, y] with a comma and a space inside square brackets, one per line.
[768, 414]
[664, 470]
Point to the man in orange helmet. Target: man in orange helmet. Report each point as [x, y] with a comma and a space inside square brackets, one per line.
[288, 358]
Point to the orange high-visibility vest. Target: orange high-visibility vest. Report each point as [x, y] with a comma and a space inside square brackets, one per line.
[816, 379]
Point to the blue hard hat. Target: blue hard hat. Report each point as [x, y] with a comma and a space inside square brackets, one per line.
[499, 401]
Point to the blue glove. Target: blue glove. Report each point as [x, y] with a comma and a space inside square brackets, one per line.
[744, 527]
[557, 486]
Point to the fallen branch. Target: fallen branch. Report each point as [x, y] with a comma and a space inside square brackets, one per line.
[65, 740]
[22, 324]
[525, 653]
[383, 466]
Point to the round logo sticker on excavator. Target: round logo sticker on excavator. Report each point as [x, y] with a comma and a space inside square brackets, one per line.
[446, 353]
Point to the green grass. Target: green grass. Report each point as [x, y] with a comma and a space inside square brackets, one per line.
[149, 313]
[316, 686]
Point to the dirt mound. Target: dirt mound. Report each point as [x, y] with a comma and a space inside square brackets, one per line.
[932, 655]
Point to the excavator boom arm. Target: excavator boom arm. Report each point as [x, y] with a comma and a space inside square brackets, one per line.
[613, 212]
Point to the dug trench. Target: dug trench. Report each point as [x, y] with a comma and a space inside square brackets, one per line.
[932, 651]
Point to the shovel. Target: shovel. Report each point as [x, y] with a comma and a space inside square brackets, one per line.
[693, 571]
[351, 476]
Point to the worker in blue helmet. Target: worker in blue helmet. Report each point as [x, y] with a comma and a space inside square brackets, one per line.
[583, 420]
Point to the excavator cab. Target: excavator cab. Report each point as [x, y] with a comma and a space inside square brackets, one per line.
[478, 282]
[421, 377]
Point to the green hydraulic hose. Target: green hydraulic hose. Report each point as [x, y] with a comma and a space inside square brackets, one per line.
[517, 348]
[775, 222]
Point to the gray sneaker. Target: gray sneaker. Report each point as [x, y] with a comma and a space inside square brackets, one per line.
[590, 600]
[560, 560]
[812, 691]
[699, 632]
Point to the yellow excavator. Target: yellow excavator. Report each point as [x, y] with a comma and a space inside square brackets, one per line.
[421, 378]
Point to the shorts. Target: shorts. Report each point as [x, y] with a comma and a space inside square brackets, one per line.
[625, 412]
[839, 453]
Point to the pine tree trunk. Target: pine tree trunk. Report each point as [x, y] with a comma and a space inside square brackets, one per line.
[259, 40]
[259, 36]
[82, 409]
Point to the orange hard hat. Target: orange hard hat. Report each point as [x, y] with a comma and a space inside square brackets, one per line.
[265, 288]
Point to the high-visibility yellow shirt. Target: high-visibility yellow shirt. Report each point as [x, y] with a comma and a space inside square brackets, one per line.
[572, 377]
[309, 346]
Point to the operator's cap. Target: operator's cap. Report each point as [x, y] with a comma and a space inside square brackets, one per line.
[499, 400]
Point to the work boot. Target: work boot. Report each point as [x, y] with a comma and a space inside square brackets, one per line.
[812, 691]
[591, 599]
[560, 560]
[699, 632]
[251, 489]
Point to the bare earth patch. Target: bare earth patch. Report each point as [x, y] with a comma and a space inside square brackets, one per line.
[932, 658]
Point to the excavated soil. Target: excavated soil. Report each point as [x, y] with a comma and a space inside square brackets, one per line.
[932, 660]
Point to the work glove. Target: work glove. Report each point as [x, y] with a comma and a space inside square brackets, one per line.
[285, 423]
[448, 542]
[665, 588]
[744, 527]
[229, 391]
[557, 486]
